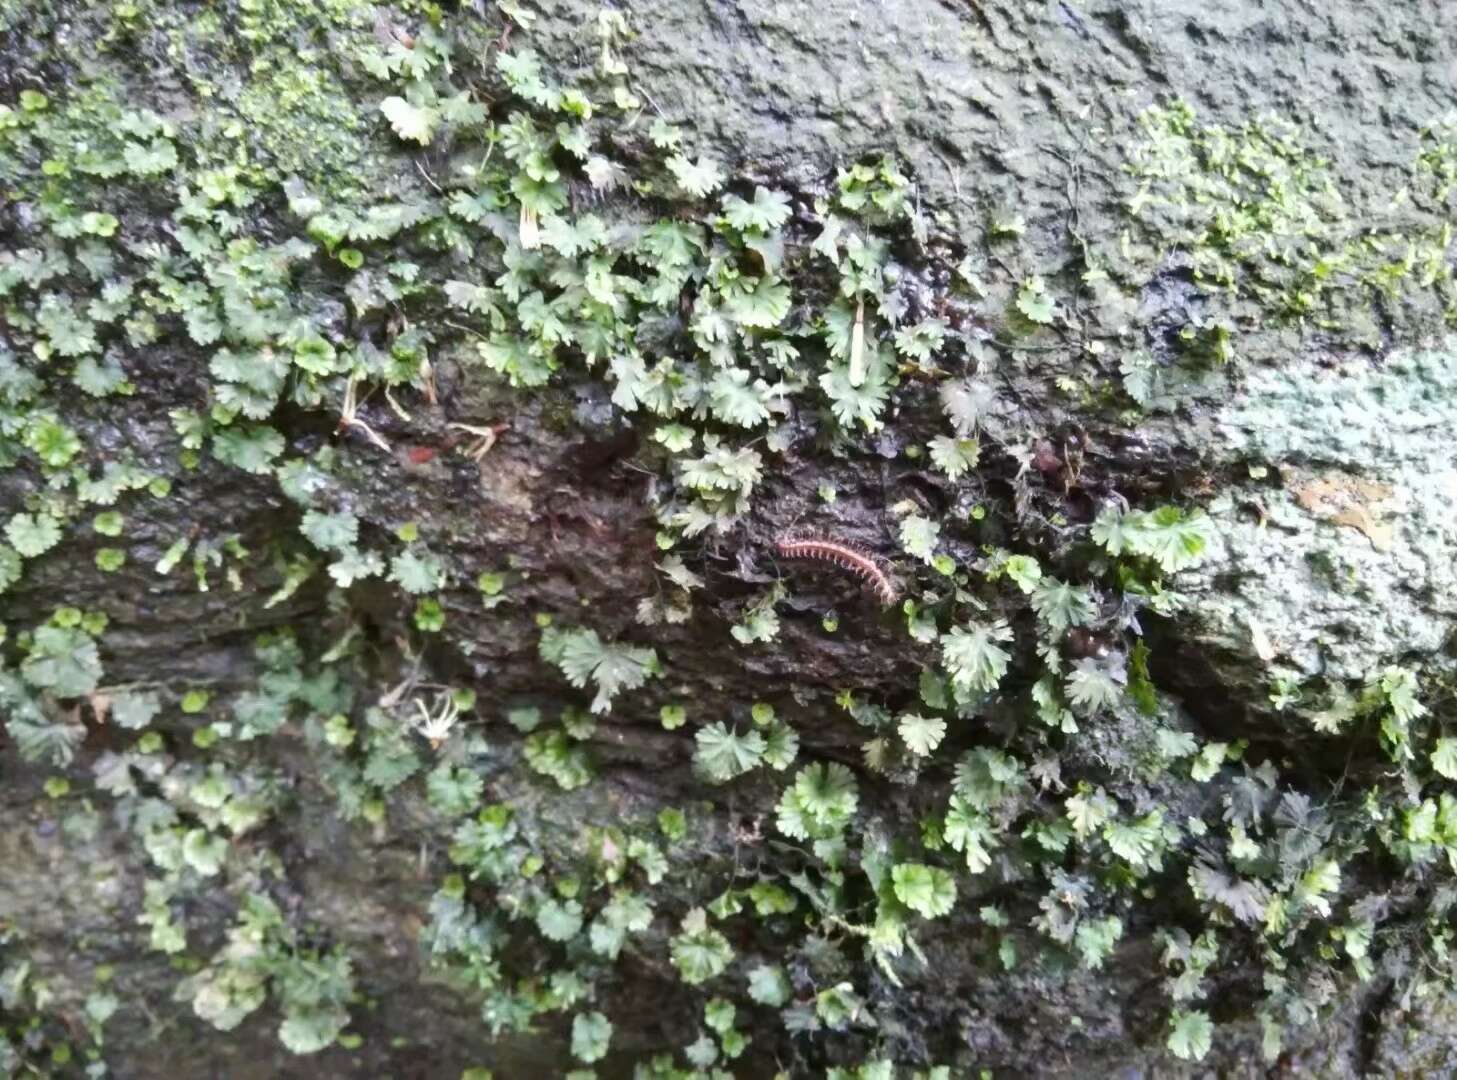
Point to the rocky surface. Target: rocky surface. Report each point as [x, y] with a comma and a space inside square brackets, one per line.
[1326, 469]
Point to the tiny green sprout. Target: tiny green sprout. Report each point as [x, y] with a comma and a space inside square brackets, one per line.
[373, 811]
[463, 699]
[110, 559]
[173, 555]
[429, 616]
[33, 101]
[205, 737]
[67, 618]
[337, 731]
[673, 823]
[945, 565]
[1007, 953]
[578, 724]
[762, 712]
[150, 743]
[1034, 303]
[532, 865]
[194, 701]
[827, 493]
[351, 1041]
[718, 1014]
[672, 717]
[57, 786]
[665, 541]
[1007, 224]
[108, 523]
[314, 355]
[53, 442]
[99, 224]
[351, 257]
[491, 583]
[94, 622]
[409, 532]
[1024, 571]
[932, 836]
[525, 719]
[159, 487]
[830, 621]
[913, 452]
[978, 513]
[543, 620]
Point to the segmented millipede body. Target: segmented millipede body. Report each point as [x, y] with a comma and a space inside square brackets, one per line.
[858, 563]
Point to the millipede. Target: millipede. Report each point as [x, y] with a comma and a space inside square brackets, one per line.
[858, 563]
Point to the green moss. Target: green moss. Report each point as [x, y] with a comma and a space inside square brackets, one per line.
[1262, 217]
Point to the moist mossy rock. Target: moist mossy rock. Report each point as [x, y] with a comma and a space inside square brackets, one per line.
[705, 539]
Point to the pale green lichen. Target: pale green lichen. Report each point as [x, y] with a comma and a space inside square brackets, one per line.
[1342, 556]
